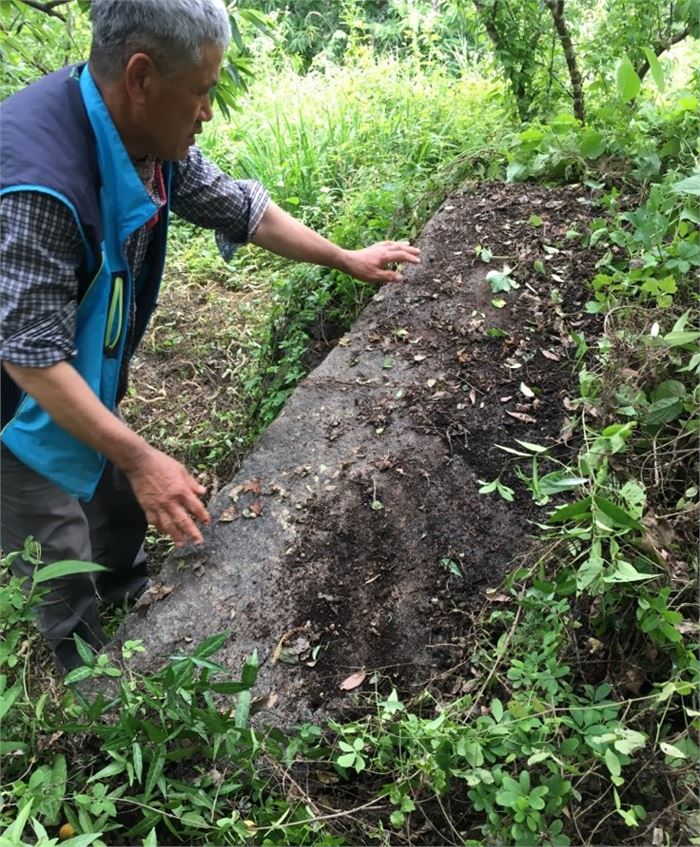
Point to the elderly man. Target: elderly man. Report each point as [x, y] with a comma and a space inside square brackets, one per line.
[93, 159]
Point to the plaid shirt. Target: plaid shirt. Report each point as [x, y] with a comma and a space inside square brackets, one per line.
[41, 251]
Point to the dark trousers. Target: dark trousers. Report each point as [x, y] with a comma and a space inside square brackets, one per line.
[109, 530]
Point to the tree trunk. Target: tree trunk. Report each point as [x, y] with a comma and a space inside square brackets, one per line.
[488, 19]
[556, 7]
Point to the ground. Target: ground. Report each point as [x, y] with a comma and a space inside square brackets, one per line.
[354, 539]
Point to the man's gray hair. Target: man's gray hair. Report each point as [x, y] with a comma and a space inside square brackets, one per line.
[171, 32]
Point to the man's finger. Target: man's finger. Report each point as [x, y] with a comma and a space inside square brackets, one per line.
[167, 526]
[390, 276]
[403, 255]
[196, 508]
[397, 245]
[185, 527]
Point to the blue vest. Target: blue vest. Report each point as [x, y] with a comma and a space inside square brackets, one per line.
[57, 137]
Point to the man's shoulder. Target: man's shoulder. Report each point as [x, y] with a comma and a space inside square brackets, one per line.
[46, 88]
[47, 141]
[49, 111]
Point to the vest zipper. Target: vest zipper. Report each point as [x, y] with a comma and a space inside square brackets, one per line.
[115, 317]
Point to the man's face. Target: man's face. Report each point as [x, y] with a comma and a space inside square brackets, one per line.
[179, 105]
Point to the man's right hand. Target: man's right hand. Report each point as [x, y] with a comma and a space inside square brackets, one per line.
[169, 495]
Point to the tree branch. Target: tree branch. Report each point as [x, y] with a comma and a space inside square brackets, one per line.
[663, 45]
[47, 7]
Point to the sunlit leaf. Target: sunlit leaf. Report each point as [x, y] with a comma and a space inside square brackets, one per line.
[592, 144]
[657, 71]
[691, 185]
[628, 82]
[69, 567]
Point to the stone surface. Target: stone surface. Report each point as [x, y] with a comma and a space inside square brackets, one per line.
[353, 537]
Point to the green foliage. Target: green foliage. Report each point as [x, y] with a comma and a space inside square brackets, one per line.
[176, 758]
[610, 47]
[315, 36]
[518, 32]
[40, 38]
[18, 600]
[641, 32]
[655, 139]
[33, 43]
[652, 252]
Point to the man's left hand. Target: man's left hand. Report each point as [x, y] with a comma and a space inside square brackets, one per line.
[378, 262]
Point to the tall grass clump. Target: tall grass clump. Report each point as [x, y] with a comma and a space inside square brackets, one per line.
[360, 153]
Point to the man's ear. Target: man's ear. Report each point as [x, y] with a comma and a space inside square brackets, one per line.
[140, 77]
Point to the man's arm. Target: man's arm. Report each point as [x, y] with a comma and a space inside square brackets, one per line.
[241, 211]
[288, 237]
[167, 493]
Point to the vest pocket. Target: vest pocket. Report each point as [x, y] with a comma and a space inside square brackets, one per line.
[115, 316]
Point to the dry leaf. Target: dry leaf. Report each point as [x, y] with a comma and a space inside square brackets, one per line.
[657, 838]
[45, 743]
[633, 680]
[594, 646]
[497, 598]
[353, 681]
[234, 492]
[567, 430]
[659, 530]
[253, 511]
[154, 593]
[252, 485]
[216, 776]
[549, 355]
[229, 514]
[521, 416]
[287, 635]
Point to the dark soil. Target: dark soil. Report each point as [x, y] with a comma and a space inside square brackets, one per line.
[396, 586]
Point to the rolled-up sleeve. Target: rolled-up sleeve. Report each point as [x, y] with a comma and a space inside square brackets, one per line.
[206, 196]
[40, 253]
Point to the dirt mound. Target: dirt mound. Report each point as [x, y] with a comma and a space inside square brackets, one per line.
[354, 537]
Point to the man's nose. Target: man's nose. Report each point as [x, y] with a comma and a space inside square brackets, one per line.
[206, 112]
